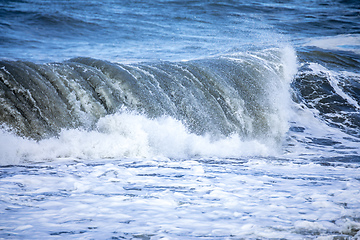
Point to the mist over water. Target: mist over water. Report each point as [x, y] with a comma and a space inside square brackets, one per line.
[179, 120]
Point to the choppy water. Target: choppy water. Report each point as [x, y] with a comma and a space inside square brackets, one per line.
[179, 120]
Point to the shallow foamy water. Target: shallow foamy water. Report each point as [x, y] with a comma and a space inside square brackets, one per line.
[181, 199]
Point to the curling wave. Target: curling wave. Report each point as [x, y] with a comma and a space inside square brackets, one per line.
[243, 93]
[227, 106]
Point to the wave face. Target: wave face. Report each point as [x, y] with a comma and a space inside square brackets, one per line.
[243, 93]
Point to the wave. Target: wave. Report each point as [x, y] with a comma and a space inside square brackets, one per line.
[329, 82]
[242, 98]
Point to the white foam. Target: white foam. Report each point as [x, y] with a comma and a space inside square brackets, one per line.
[128, 135]
[176, 199]
[346, 42]
[300, 143]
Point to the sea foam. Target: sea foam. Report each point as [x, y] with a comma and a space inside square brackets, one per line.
[128, 135]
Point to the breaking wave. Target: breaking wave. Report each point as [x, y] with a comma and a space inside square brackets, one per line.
[232, 105]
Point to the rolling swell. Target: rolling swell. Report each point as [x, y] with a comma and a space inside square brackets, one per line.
[330, 83]
[244, 93]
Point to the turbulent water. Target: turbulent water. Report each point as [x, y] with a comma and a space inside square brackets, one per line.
[179, 119]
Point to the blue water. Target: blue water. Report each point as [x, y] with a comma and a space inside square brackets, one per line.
[167, 30]
[175, 119]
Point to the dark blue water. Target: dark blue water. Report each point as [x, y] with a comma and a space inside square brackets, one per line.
[148, 30]
[179, 119]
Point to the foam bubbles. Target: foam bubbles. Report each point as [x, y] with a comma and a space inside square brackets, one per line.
[125, 135]
[251, 198]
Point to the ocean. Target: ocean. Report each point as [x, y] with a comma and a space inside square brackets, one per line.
[168, 119]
